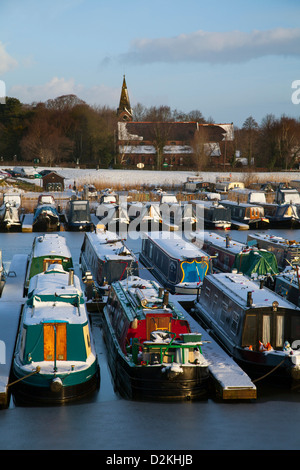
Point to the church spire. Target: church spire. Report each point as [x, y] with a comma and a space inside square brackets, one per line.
[124, 110]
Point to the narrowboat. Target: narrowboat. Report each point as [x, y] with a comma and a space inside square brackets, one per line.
[46, 217]
[287, 252]
[152, 353]
[253, 324]
[212, 214]
[228, 254]
[78, 216]
[10, 213]
[107, 258]
[144, 216]
[112, 213]
[282, 215]
[287, 284]
[55, 359]
[249, 214]
[177, 264]
[47, 249]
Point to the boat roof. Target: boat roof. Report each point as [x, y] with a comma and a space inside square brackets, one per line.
[273, 239]
[218, 240]
[226, 202]
[51, 244]
[237, 286]
[141, 296]
[52, 298]
[176, 246]
[109, 246]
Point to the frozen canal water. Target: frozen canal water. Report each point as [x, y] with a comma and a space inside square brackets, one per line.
[107, 422]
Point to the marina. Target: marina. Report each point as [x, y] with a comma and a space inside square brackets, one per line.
[107, 405]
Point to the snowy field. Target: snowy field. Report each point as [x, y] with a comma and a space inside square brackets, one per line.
[172, 179]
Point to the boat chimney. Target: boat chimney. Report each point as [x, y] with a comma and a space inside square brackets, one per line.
[71, 277]
[227, 241]
[249, 299]
[160, 291]
[261, 283]
[166, 298]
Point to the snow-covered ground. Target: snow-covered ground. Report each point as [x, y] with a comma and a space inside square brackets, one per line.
[172, 179]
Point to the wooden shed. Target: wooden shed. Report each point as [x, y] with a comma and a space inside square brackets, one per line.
[53, 182]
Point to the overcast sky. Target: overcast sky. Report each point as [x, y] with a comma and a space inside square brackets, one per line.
[229, 59]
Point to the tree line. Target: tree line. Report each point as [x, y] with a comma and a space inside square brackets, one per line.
[66, 130]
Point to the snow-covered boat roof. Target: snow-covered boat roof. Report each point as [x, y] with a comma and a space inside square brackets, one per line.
[53, 296]
[218, 240]
[274, 239]
[51, 244]
[109, 246]
[176, 246]
[237, 286]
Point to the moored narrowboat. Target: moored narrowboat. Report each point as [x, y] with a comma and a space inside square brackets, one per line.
[249, 214]
[55, 359]
[46, 217]
[107, 258]
[78, 216]
[177, 264]
[287, 284]
[228, 254]
[152, 353]
[287, 252]
[211, 214]
[47, 249]
[10, 209]
[257, 327]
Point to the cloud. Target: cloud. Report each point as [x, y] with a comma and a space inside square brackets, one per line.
[6, 61]
[215, 47]
[95, 95]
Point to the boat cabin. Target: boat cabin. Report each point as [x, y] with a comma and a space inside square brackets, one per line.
[47, 249]
[106, 257]
[177, 264]
[243, 314]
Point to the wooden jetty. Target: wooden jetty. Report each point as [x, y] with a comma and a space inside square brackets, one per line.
[230, 381]
[11, 303]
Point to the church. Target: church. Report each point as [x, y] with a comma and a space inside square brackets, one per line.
[170, 145]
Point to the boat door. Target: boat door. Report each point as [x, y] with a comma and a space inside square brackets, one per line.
[55, 338]
[48, 261]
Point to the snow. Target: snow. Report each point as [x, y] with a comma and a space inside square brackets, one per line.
[110, 177]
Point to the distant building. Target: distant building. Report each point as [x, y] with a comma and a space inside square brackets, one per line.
[53, 182]
[164, 144]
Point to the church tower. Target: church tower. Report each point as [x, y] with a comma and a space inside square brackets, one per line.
[124, 111]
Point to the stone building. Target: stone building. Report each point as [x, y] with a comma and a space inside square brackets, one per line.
[169, 144]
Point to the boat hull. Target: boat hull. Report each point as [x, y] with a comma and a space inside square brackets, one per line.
[38, 389]
[149, 382]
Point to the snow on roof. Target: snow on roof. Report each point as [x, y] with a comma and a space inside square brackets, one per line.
[237, 287]
[176, 246]
[274, 239]
[218, 240]
[109, 246]
[51, 244]
[47, 295]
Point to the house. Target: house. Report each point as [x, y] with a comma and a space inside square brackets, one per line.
[168, 144]
[53, 182]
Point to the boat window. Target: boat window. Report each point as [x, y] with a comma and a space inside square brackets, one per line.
[207, 292]
[266, 329]
[295, 328]
[150, 250]
[22, 343]
[214, 305]
[223, 312]
[279, 331]
[234, 322]
[172, 270]
[250, 332]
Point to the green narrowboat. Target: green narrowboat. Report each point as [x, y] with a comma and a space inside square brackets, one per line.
[55, 359]
[47, 249]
